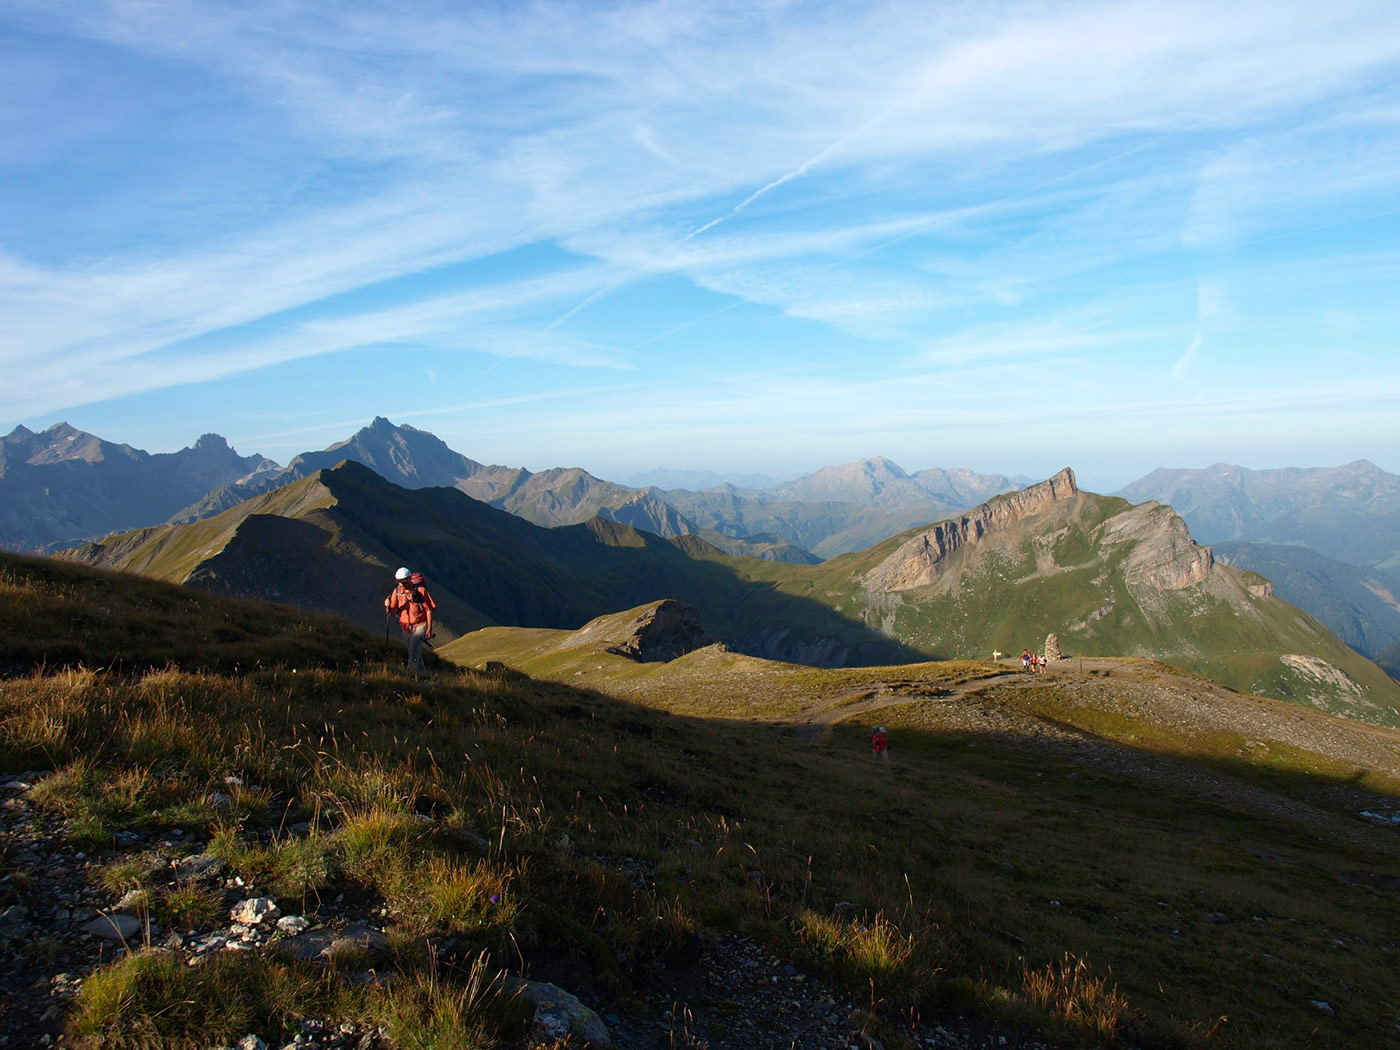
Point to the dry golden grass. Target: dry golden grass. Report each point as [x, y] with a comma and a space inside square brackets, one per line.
[527, 819]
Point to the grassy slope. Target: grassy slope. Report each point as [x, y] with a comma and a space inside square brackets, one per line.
[1210, 863]
[974, 868]
[485, 565]
[1357, 604]
[1002, 602]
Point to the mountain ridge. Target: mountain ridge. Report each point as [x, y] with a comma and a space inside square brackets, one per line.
[1350, 513]
[1109, 578]
[63, 485]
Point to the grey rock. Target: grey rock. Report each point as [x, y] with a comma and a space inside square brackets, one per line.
[559, 1015]
[133, 900]
[314, 945]
[254, 910]
[204, 866]
[117, 927]
[292, 925]
[14, 923]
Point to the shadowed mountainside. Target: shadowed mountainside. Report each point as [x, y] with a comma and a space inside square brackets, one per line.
[332, 540]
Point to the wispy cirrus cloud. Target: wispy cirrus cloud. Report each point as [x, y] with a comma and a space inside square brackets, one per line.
[931, 179]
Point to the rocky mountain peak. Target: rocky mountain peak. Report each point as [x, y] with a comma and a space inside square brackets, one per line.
[920, 561]
[880, 467]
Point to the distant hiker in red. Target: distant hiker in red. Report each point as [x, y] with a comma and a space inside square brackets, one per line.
[880, 743]
[415, 606]
[1025, 659]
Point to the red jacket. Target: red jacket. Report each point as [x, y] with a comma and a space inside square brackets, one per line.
[413, 604]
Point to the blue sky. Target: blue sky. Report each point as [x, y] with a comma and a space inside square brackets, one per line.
[759, 236]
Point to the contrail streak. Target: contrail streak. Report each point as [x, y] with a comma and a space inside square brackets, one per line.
[796, 173]
[807, 166]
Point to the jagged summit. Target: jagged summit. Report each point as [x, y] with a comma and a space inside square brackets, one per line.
[64, 484]
[921, 560]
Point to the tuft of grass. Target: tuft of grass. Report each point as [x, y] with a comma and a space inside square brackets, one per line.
[446, 896]
[189, 906]
[152, 1000]
[248, 858]
[134, 871]
[427, 1012]
[1066, 989]
[301, 867]
[874, 953]
[375, 846]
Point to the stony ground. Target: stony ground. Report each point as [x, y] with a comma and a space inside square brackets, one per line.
[742, 997]
[58, 923]
[61, 924]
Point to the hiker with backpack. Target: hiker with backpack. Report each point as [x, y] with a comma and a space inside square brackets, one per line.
[411, 600]
[880, 743]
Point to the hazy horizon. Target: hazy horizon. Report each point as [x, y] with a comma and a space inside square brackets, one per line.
[636, 478]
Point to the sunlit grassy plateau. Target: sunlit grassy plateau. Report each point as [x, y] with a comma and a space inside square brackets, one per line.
[1055, 864]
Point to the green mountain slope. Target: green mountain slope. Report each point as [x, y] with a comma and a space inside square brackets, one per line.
[1106, 577]
[331, 541]
[1361, 606]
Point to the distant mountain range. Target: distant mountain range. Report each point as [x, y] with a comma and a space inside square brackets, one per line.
[62, 485]
[1350, 513]
[840, 509]
[1109, 578]
[694, 480]
[833, 510]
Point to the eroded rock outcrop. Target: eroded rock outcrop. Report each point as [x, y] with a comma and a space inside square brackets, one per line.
[1162, 556]
[920, 561]
[661, 630]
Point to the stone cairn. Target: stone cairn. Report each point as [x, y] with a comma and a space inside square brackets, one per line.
[1052, 647]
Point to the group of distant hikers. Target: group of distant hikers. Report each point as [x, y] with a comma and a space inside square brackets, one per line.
[411, 600]
[1031, 662]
